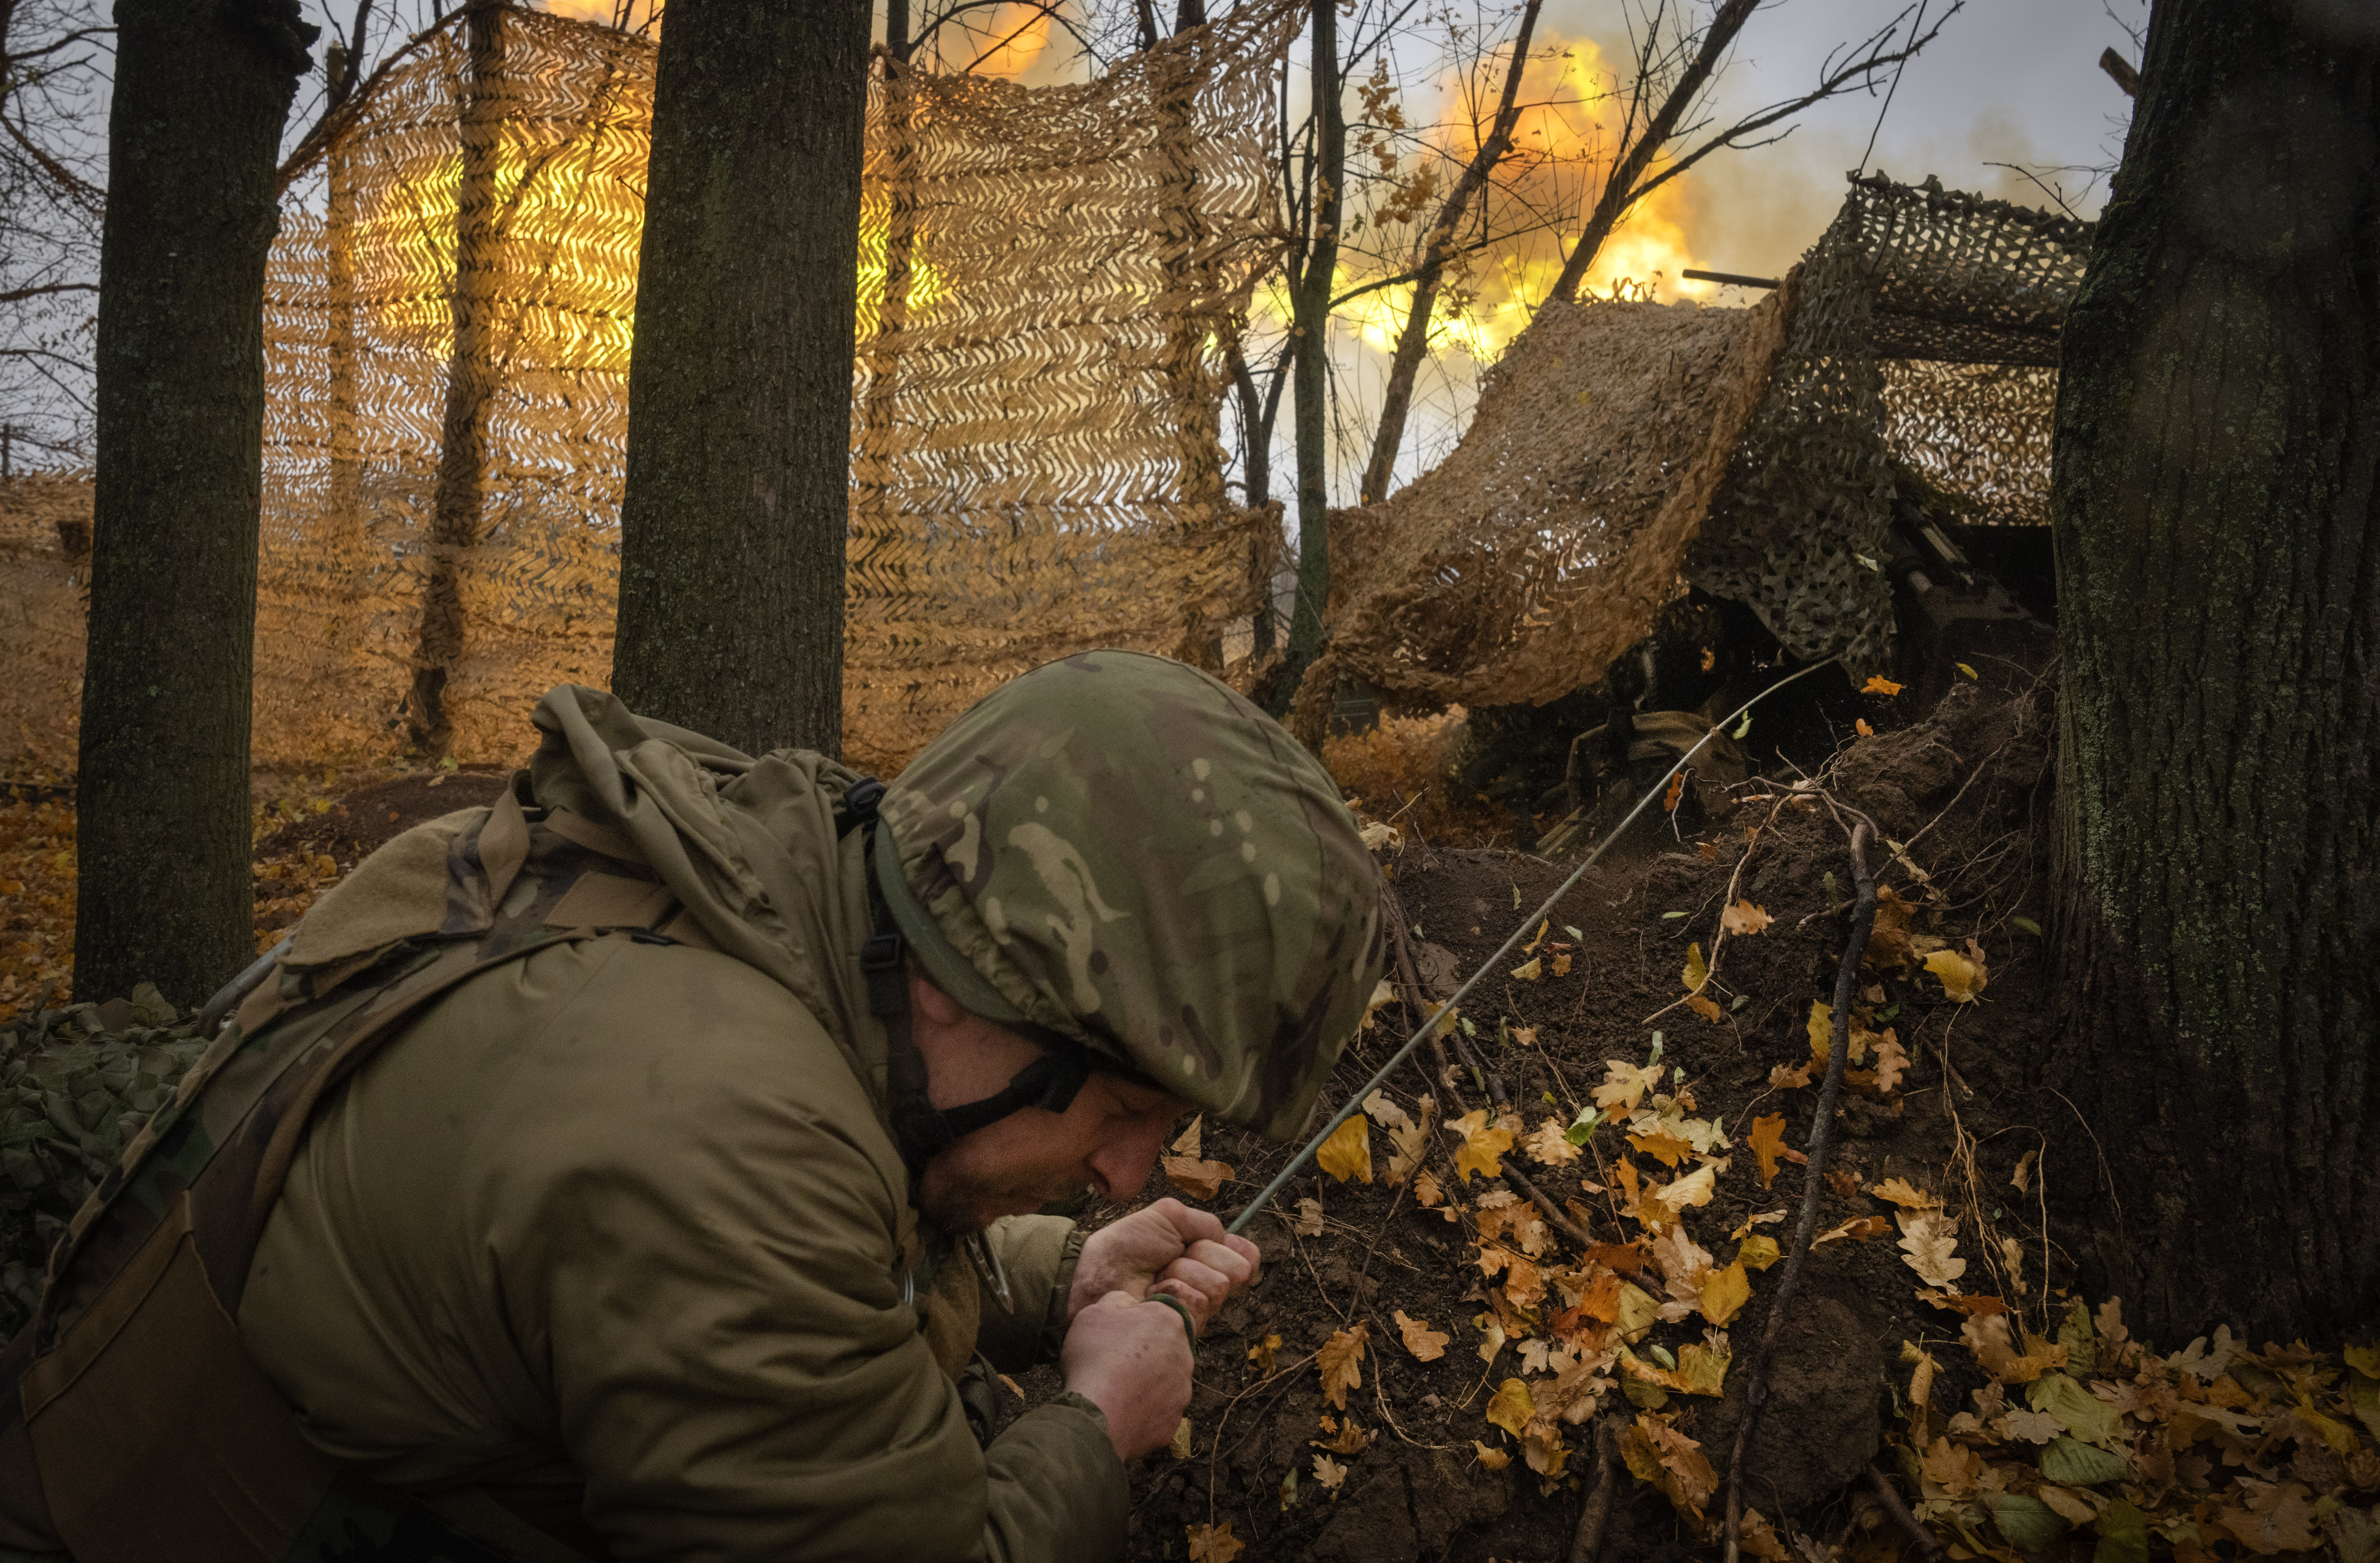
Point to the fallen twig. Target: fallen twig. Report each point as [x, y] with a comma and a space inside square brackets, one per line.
[1587, 1544]
[1917, 1533]
[1822, 1137]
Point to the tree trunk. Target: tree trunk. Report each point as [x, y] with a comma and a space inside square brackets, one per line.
[471, 383]
[739, 392]
[160, 794]
[1309, 387]
[2218, 546]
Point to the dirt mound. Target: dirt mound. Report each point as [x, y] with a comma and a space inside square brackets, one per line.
[1423, 1460]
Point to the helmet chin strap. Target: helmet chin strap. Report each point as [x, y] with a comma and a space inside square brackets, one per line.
[923, 1130]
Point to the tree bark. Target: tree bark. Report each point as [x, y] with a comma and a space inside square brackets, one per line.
[1396, 397]
[2217, 450]
[739, 394]
[160, 794]
[1309, 387]
[470, 383]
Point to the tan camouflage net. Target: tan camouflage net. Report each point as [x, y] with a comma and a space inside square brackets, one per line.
[1922, 368]
[1622, 450]
[1037, 466]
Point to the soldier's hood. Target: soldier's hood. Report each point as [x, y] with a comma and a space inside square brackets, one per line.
[747, 846]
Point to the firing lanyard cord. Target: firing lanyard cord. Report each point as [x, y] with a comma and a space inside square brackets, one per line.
[1354, 1101]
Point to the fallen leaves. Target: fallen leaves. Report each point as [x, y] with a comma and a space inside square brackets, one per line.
[1511, 1408]
[1261, 1354]
[1328, 1474]
[1743, 918]
[1426, 1344]
[1963, 976]
[1879, 684]
[1660, 1456]
[1187, 1170]
[1767, 1142]
[1494, 1459]
[1901, 1192]
[1341, 1362]
[1928, 1245]
[1214, 1543]
[1550, 1145]
[1347, 1154]
[1484, 1144]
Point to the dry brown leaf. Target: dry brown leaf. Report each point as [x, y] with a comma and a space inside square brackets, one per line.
[1660, 1456]
[1310, 1218]
[1843, 1181]
[1551, 1146]
[1384, 1112]
[1526, 1036]
[1561, 965]
[1662, 1145]
[1706, 1008]
[1494, 1459]
[1179, 1448]
[1427, 1344]
[2279, 1518]
[1328, 1474]
[1341, 1362]
[1783, 1079]
[1189, 1144]
[1199, 1179]
[1693, 1189]
[1767, 1139]
[1214, 1543]
[1930, 1243]
[1743, 918]
[1859, 1229]
[1261, 1354]
[1348, 1152]
[1986, 1335]
[1427, 1194]
[1891, 1061]
[1901, 1192]
[1350, 1439]
[1624, 1085]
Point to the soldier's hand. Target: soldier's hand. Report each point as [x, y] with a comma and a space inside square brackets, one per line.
[1129, 1358]
[1169, 1248]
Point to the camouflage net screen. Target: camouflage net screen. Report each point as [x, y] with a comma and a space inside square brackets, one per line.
[1920, 369]
[1621, 449]
[447, 322]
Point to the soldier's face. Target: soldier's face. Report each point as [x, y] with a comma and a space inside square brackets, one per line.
[1106, 1139]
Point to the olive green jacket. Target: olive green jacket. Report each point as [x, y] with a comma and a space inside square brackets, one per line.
[630, 1215]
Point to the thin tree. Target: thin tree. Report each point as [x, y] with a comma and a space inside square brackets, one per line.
[160, 795]
[739, 390]
[2217, 506]
[1313, 267]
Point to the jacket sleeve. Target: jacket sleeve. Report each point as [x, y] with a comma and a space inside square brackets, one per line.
[1039, 1253]
[716, 1287]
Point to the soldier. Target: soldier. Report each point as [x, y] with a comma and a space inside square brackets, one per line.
[645, 1167]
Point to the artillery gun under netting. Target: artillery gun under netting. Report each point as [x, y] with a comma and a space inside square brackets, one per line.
[76, 1086]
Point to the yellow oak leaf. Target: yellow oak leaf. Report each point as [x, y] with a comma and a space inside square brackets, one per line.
[1426, 1193]
[1879, 684]
[1726, 1292]
[1494, 1459]
[1512, 1408]
[1859, 1229]
[1341, 1362]
[1261, 1354]
[1768, 1138]
[1783, 1079]
[1348, 1152]
[1662, 1145]
[1742, 918]
[1484, 1144]
[1214, 1543]
[1901, 1192]
[1624, 1085]
[1963, 976]
[1693, 1189]
[1427, 1344]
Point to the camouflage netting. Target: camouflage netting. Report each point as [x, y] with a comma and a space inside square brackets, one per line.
[75, 1084]
[1037, 466]
[1621, 449]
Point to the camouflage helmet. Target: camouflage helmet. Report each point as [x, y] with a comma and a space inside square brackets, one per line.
[1122, 850]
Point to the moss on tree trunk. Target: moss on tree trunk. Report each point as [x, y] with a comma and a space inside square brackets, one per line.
[2218, 448]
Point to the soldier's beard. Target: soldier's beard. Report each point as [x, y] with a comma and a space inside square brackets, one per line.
[958, 1195]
